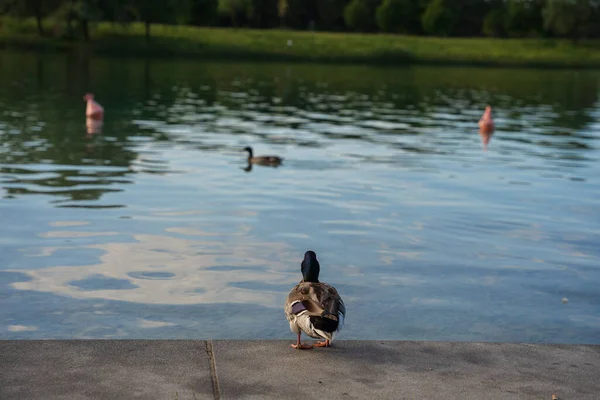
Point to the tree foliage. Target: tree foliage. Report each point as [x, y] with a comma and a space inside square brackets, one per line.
[493, 23]
[265, 14]
[80, 12]
[569, 18]
[437, 18]
[160, 11]
[523, 17]
[204, 12]
[399, 16]
[39, 9]
[282, 8]
[359, 15]
[469, 16]
[236, 10]
[330, 14]
[300, 13]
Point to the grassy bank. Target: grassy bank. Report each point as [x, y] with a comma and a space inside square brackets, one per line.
[272, 45]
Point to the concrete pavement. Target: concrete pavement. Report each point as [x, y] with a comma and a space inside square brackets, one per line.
[222, 369]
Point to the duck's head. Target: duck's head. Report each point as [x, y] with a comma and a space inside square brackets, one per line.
[88, 97]
[249, 150]
[310, 267]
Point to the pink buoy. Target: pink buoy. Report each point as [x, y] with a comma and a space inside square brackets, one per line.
[486, 126]
[93, 109]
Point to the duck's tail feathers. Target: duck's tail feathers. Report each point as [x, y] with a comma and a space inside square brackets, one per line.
[324, 335]
[341, 319]
[324, 324]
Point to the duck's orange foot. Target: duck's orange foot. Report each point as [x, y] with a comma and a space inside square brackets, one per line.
[323, 344]
[301, 346]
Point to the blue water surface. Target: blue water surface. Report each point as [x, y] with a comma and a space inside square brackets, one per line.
[151, 225]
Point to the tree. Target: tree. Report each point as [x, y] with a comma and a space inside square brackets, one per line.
[493, 23]
[36, 8]
[264, 14]
[236, 8]
[330, 14]
[282, 8]
[84, 11]
[360, 15]
[300, 13]
[204, 12]
[398, 16]
[437, 18]
[570, 18]
[468, 19]
[162, 11]
[523, 17]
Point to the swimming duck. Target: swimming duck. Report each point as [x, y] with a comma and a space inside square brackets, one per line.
[486, 126]
[314, 307]
[262, 160]
[93, 109]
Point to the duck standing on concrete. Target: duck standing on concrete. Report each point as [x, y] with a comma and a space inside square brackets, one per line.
[314, 307]
[262, 160]
[486, 126]
[93, 109]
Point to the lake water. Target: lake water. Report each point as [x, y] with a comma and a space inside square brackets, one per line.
[153, 227]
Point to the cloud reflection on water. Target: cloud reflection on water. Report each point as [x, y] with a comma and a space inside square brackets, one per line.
[385, 175]
[172, 270]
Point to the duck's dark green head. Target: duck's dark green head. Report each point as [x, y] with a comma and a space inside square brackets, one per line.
[249, 150]
[310, 267]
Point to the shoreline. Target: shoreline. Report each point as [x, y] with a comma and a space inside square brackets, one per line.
[221, 44]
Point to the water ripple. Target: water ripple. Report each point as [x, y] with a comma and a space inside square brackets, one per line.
[157, 227]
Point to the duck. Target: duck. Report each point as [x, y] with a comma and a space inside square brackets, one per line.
[313, 307]
[93, 109]
[262, 160]
[486, 126]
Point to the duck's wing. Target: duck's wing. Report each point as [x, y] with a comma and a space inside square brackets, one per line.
[291, 298]
[319, 299]
[304, 293]
[330, 300]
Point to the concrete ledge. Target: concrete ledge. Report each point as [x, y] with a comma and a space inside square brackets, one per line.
[173, 369]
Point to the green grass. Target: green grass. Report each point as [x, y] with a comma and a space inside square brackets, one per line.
[271, 45]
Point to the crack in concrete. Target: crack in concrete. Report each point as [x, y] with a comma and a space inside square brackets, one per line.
[213, 370]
